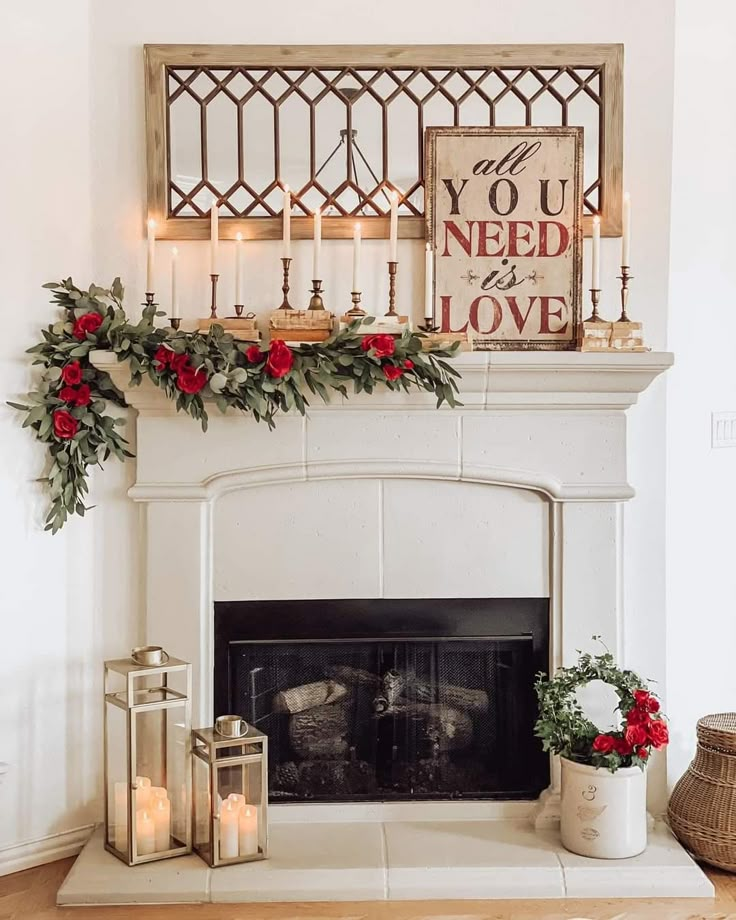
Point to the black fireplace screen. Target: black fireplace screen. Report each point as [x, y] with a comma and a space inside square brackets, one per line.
[407, 710]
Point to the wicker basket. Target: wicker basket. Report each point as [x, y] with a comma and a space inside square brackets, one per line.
[702, 809]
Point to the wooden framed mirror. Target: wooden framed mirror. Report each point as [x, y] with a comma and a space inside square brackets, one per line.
[343, 125]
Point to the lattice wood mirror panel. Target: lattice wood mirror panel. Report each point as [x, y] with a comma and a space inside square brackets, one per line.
[342, 126]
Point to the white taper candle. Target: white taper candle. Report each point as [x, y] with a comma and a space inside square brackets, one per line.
[317, 244]
[287, 223]
[239, 268]
[428, 283]
[214, 238]
[626, 235]
[174, 283]
[150, 253]
[595, 274]
[394, 228]
[356, 257]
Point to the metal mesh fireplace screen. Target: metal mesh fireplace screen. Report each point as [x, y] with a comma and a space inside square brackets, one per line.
[406, 717]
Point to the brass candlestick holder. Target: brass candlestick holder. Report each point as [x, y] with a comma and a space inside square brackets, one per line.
[315, 301]
[150, 299]
[429, 325]
[356, 311]
[392, 269]
[624, 278]
[238, 307]
[595, 296]
[175, 322]
[285, 305]
[214, 277]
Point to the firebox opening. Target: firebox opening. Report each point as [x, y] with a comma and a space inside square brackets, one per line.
[377, 700]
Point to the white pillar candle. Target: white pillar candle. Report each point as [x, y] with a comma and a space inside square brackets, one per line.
[626, 236]
[595, 279]
[151, 241]
[287, 223]
[161, 813]
[236, 797]
[317, 244]
[174, 284]
[239, 268]
[145, 833]
[394, 232]
[214, 237]
[428, 283]
[229, 829]
[248, 830]
[356, 258]
[143, 792]
[120, 817]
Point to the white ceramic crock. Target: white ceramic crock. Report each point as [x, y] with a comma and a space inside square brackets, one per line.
[603, 814]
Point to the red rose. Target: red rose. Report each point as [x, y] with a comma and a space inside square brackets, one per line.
[189, 380]
[642, 753]
[68, 394]
[383, 345]
[280, 359]
[179, 363]
[83, 396]
[622, 747]
[604, 744]
[636, 735]
[71, 373]
[162, 357]
[87, 323]
[409, 364]
[254, 354]
[392, 372]
[637, 717]
[658, 733]
[644, 700]
[65, 425]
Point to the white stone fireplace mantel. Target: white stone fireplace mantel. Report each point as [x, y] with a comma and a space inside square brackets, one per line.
[551, 423]
[384, 496]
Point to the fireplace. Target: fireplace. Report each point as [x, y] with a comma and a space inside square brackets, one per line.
[385, 699]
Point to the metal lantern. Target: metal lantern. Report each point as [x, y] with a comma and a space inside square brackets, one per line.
[230, 779]
[148, 790]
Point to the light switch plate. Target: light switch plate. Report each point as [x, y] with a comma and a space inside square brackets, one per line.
[723, 429]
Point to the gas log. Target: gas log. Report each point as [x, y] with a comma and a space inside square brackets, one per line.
[308, 696]
[465, 698]
[443, 727]
[321, 733]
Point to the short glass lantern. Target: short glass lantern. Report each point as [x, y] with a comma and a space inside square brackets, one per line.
[230, 780]
[148, 729]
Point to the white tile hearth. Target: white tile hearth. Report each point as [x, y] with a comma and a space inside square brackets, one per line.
[396, 860]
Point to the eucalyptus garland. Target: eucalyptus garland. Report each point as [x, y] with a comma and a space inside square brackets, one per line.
[69, 410]
[566, 730]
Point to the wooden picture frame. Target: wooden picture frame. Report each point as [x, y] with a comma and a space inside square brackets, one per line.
[504, 221]
[583, 66]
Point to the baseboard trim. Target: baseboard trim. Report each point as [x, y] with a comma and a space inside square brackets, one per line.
[44, 850]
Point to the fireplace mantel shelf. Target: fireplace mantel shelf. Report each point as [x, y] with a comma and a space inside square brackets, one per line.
[489, 380]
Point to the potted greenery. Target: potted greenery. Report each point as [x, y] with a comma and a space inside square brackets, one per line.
[603, 810]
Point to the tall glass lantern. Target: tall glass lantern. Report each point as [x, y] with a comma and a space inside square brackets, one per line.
[230, 780]
[148, 792]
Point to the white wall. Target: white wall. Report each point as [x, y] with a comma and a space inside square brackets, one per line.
[60, 618]
[701, 490]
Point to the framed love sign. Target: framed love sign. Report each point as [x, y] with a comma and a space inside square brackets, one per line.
[504, 220]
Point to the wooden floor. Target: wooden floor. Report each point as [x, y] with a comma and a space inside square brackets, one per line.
[31, 894]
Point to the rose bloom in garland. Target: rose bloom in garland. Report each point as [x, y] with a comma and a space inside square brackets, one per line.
[69, 412]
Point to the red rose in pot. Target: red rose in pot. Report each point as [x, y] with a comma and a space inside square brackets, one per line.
[71, 373]
[383, 345]
[280, 359]
[88, 323]
[65, 425]
[636, 735]
[604, 744]
[658, 733]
